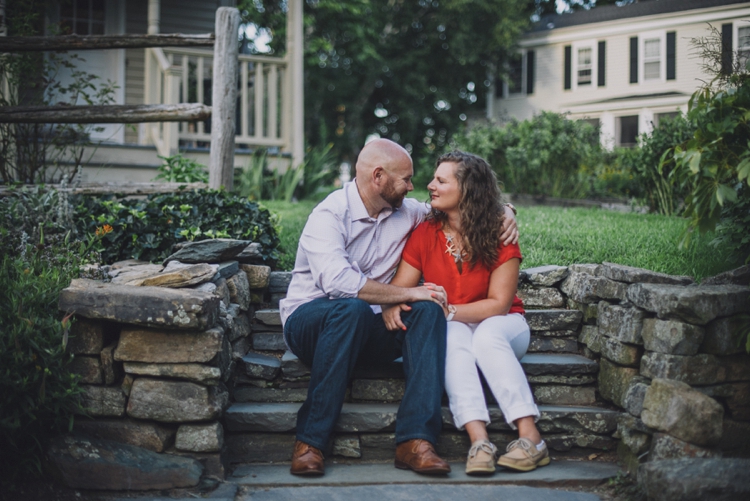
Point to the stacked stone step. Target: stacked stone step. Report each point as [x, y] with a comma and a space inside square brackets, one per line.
[272, 383]
[155, 349]
[671, 355]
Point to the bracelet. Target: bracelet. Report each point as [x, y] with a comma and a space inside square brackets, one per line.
[513, 208]
[451, 312]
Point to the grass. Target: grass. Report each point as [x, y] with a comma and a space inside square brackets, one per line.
[553, 235]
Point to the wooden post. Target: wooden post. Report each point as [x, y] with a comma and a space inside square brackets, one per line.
[172, 79]
[224, 98]
[154, 11]
[295, 52]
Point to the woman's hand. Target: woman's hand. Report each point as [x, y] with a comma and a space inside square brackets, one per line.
[392, 316]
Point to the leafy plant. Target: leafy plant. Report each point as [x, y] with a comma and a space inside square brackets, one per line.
[178, 169]
[147, 229]
[546, 155]
[713, 166]
[38, 393]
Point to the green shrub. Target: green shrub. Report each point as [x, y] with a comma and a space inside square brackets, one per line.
[713, 166]
[147, 229]
[546, 155]
[614, 176]
[178, 169]
[38, 393]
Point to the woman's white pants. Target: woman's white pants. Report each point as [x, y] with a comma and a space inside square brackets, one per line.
[495, 347]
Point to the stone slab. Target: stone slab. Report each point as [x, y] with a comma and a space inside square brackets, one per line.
[175, 402]
[665, 446]
[586, 288]
[614, 381]
[88, 369]
[180, 277]
[545, 276]
[200, 437]
[696, 304]
[86, 337]
[723, 336]
[388, 390]
[700, 369]
[103, 401]
[111, 371]
[253, 394]
[625, 354]
[695, 479]
[214, 250]
[552, 345]
[564, 395]
[150, 306]
[268, 341]
[618, 322]
[161, 346]
[541, 297]
[672, 337]
[261, 366]
[591, 338]
[268, 317]
[239, 290]
[105, 465]
[563, 473]
[279, 281]
[590, 311]
[535, 364]
[553, 320]
[197, 373]
[152, 436]
[258, 277]
[632, 275]
[737, 276]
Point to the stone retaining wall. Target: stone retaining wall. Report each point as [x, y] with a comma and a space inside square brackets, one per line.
[162, 350]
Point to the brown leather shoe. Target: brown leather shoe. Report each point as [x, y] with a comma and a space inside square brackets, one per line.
[420, 456]
[306, 460]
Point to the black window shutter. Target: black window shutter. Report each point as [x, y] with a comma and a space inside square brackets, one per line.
[530, 56]
[633, 59]
[498, 88]
[726, 48]
[671, 56]
[568, 64]
[602, 60]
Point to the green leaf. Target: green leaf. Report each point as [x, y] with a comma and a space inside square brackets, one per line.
[695, 161]
[724, 192]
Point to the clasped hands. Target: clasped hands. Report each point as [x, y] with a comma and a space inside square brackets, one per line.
[426, 292]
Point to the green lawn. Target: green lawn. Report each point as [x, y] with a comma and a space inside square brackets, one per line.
[553, 235]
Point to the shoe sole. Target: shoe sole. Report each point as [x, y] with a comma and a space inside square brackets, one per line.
[479, 472]
[308, 473]
[432, 471]
[516, 467]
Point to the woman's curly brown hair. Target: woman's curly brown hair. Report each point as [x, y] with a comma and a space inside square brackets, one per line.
[481, 211]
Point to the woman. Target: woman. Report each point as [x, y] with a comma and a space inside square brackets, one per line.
[458, 247]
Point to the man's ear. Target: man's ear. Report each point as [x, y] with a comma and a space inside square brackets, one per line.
[378, 176]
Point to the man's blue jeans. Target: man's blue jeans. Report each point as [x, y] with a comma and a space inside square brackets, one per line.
[332, 335]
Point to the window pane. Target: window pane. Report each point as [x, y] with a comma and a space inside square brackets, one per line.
[584, 56]
[628, 130]
[652, 71]
[651, 48]
[584, 66]
[515, 75]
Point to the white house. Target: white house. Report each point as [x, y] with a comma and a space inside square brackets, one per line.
[623, 68]
[269, 104]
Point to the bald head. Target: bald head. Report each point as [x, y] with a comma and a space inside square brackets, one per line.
[381, 153]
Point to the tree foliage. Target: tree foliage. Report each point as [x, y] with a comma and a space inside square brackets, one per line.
[411, 71]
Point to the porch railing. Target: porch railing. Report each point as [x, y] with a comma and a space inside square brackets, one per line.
[183, 75]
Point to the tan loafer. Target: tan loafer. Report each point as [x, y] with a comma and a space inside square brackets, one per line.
[481, 458]
[523, 455]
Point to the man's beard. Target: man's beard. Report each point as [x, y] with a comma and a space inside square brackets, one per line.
[391, 196]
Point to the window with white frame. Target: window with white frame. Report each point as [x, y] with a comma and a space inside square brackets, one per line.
[743, 47]
[515, 74]
[584, 66]
[82, 17]
[652, 58]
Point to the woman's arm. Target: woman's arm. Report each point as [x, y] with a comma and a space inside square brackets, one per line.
[502, 291]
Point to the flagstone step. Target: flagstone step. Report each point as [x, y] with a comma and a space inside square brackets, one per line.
[265, 432]
[388, 482]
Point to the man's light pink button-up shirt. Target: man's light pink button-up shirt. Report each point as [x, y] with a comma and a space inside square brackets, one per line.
[342, 246]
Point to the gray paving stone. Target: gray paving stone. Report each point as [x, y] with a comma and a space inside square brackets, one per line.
[268, 317]
[553, 320]
[696, 304]
[545, 276]
[631, 275]
[268, 341]
[261, 366]
[564, 395]
[558, 364]
[541, 297]
[279, 281]
[553, 345]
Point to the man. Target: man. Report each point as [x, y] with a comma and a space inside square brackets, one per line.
[347, 254]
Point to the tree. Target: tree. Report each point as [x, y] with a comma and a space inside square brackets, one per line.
[408, 70]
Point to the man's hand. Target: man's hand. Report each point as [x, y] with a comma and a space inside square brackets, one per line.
[392, 316]
[509, 228]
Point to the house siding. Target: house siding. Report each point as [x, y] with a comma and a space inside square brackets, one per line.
[618, 97]
[184, 16]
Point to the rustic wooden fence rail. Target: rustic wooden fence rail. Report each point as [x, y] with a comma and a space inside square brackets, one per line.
[99, 42]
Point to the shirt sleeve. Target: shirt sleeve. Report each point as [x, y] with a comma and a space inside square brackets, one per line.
[323, 244]
[414, 249]
[506, 252]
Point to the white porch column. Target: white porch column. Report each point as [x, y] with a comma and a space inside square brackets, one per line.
[295, 51]
[645, 121]
[154, 11]
[607, 130]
